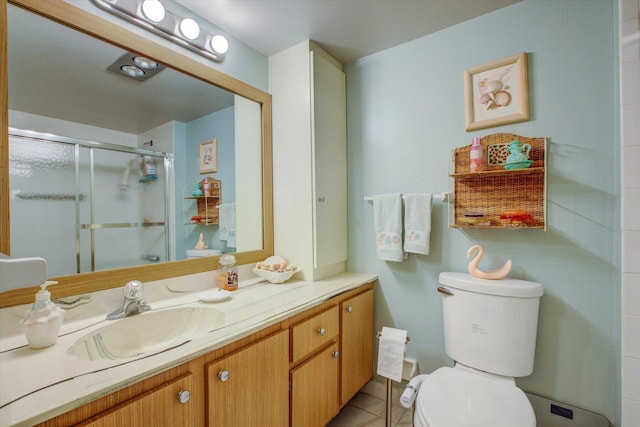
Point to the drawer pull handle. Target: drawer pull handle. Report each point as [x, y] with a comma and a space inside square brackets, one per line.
[349, 309]
[321, 331]
[335, 354]
[184, 396]
[223, 375]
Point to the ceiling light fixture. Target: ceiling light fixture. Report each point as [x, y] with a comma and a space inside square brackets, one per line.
[158, 17]
[137, 67]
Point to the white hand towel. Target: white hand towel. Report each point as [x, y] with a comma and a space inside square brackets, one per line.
[387, 220]
[417, 222]
[227, 218]
[391, 353]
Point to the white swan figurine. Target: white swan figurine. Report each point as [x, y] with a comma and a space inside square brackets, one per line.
[498, 274]
[200, 245]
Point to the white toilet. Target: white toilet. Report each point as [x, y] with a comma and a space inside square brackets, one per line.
[199, 253]
[490, 332]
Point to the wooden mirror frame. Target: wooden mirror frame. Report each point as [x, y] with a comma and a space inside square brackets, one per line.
[94, 26]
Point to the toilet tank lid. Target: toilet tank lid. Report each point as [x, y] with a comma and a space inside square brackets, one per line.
[505, 287]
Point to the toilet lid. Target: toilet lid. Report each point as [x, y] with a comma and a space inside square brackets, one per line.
[452, 397]
[195, 253]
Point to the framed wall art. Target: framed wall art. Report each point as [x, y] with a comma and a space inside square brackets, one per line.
[209, 156]
[496, 93]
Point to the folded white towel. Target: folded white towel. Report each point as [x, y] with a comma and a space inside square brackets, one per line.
[417, 222]
[387, 219]
[227, 218]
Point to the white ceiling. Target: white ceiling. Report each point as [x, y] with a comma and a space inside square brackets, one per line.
[348, 29]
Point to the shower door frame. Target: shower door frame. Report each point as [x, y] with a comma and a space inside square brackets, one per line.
[92, 226]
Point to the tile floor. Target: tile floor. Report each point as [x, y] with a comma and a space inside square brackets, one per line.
[368, 409]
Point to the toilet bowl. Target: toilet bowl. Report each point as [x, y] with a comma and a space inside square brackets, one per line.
[199, 253]
[461, 396]
[490, 331]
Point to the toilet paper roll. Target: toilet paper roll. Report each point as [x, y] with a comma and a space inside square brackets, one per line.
[391, 353]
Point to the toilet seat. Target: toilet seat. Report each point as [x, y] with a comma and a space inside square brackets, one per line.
[460, 396]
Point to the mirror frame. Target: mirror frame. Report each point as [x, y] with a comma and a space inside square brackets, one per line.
[94, 26]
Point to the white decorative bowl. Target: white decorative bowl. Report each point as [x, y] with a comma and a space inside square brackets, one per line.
[274, 276]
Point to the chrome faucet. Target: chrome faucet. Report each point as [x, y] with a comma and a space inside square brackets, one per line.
[133, 302]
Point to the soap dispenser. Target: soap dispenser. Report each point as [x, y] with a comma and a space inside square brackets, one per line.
[43, 321]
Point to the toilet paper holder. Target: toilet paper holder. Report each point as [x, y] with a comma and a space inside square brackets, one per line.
[380, 334]
[389, 389]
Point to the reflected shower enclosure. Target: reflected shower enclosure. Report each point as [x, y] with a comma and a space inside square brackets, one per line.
[87, 206]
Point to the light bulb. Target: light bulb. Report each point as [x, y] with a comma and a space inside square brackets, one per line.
[153, 10]
[145, 63]
[219, 44]
[189, 28]
[132, 70]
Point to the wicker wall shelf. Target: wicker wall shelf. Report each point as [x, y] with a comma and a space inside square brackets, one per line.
[495, 197]
[207, 212]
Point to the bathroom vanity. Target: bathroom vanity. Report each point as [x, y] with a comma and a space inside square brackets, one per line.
[290, 354]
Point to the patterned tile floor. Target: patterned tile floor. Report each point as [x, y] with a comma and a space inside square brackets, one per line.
[368, 409]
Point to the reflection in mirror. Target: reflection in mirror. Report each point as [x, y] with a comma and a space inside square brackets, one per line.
[69, 15]
[114, 182]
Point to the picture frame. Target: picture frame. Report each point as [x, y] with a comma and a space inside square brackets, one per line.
[209, 156]
[496, 93]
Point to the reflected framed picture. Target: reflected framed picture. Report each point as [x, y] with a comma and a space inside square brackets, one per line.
[496, 93]
[209, 156]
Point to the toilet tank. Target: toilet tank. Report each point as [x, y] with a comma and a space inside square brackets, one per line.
[490, 325]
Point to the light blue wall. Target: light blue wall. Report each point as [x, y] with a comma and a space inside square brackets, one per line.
[405, 115]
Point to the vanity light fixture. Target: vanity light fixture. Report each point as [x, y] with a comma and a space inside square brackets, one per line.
[158, 17]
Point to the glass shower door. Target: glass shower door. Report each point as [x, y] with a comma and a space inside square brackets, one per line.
[44, 200]
[86, 206]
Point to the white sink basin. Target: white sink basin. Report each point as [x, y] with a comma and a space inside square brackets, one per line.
[146, 333]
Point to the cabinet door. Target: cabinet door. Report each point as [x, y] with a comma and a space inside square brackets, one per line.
[166, 405]
[356, 340]
[329, 140]
[314, 389]
[250, 387]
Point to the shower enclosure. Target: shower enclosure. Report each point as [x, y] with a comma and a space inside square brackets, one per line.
[87, 206]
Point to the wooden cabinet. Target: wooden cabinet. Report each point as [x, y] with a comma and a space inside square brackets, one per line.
[250, 385]
[332, 357]
[495, 197]
[310, 159]
[314, 384]
[297, 372]
[169, 404]
[356, 344]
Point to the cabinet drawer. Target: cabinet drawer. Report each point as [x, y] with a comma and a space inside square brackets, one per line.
[311, 334]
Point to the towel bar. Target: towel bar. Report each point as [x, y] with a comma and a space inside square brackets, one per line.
[445, 197]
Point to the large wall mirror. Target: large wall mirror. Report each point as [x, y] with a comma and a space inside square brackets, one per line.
[61, 94]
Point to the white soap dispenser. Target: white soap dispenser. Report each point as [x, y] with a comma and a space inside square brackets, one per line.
[43, 321]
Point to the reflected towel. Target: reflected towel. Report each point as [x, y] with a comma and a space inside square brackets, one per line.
[387, 220]
[391, 353]
[227, 217]
[417, 222]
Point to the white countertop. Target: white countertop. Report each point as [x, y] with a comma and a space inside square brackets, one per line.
[39, 384]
